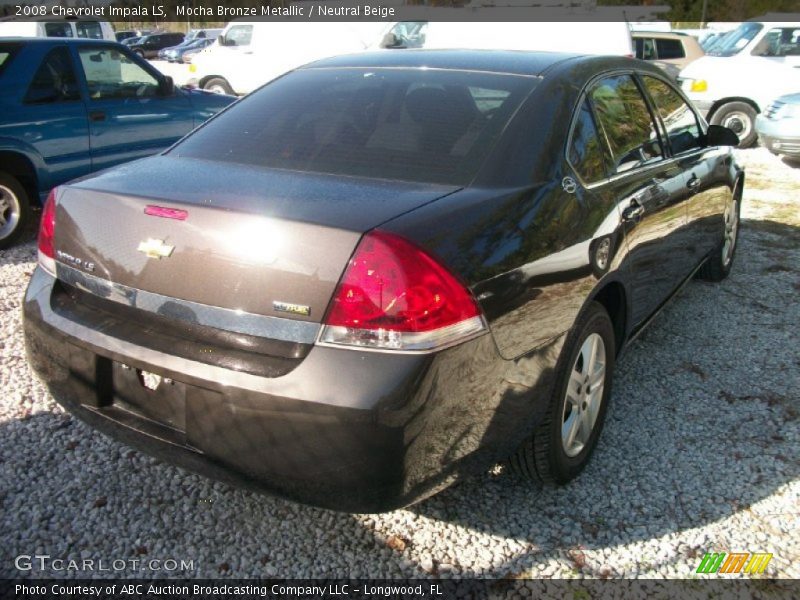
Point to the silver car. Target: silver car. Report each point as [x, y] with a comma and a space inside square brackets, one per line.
[778, 126]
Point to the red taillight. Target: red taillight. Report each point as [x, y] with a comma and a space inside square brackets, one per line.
[47, 231]
[395, 296]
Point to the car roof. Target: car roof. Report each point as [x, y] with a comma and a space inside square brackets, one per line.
[511, 62]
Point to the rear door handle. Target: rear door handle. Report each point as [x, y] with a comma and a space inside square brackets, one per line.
[97, 115]
[693, 183]
[633, 212]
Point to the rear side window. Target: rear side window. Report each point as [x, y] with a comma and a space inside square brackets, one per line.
[408, 124]
[586, 154]
[7, 52]
[683, 130]
[645, 49]
[625, 122]
[60, 30]
[89, 29]
[668, 49]
[54, 80]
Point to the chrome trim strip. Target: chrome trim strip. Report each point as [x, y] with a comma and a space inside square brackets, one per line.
[276, 328]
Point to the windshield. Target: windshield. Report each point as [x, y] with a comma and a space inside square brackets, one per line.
[733, 42]
[433, 126]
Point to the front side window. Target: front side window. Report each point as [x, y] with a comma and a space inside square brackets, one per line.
[54, 80]
[112, 74]
[683, 130]
[59, 30]
[626, 123]
[7, 52]
[408, 124]
[669, 49]
[779, 42]
[89, 29]
[239, 35]
[586, 154]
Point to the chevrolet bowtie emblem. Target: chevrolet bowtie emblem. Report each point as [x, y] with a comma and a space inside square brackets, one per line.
[154, 248]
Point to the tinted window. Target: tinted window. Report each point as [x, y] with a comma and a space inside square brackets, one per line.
[645, 49]
[625, 121]
[54, 80]
[681, 123]
[586, 153]
[111, 74]
[410, 124]
[57, 30]
[667, 49]
[89, 29]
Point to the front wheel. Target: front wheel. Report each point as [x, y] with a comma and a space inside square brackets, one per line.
[218, 85]
[14, 209]
[740, 118]
[562, 444]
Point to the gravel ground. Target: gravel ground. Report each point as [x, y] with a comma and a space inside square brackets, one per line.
[700, 453]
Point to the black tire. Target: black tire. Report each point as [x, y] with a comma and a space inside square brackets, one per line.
[718, 265]
[218, 85]
[15, 205]
[542, 457]
[739, 117]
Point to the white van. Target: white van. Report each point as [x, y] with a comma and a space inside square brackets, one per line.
[63, 28]
[613, 38]
[743, 72]
[249, 54]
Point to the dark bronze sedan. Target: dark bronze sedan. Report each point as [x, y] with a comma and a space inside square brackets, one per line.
[382, 272]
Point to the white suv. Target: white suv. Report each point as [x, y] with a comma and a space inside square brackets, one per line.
[742, 73]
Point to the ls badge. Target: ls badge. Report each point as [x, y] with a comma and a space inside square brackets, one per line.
[154, 248]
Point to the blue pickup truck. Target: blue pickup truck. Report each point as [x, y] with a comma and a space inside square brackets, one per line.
[70, 107]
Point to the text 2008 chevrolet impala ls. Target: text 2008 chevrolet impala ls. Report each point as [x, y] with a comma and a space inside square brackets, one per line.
[381, 272]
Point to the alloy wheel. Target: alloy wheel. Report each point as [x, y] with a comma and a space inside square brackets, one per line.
[731, 232]
[10, 212]
[584, 395]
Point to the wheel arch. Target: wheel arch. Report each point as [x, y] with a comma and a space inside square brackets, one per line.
[613, 296]
[20, 166]
[723, 101]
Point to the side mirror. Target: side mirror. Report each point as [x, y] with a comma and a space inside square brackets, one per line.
[390, 40]
[717, 135]
[166, 86]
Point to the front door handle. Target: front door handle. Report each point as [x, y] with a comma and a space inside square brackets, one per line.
[97, 115]
[633, 212]
[694, 182]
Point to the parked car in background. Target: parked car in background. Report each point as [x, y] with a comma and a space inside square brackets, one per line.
[125, 35]
[778, 126]
[196, 34]
[743, 72]
[383, 272]
[70, 107]
[59, 28]
[187, 54]
[176, 53]
[673, 48]
[149, 45]
[613, 38]
[130, 41]
[249, 54]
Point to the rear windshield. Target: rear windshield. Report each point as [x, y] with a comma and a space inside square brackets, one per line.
[420, 125]
[7, 52]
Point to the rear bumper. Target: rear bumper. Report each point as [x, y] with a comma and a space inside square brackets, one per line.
[347, 430]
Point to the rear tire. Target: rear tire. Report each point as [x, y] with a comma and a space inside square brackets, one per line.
[218, 85]
[718, 266]
[563, 442]
[15, 210]
[740, 117]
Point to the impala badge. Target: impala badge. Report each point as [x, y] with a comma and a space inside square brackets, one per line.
[154, 248]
